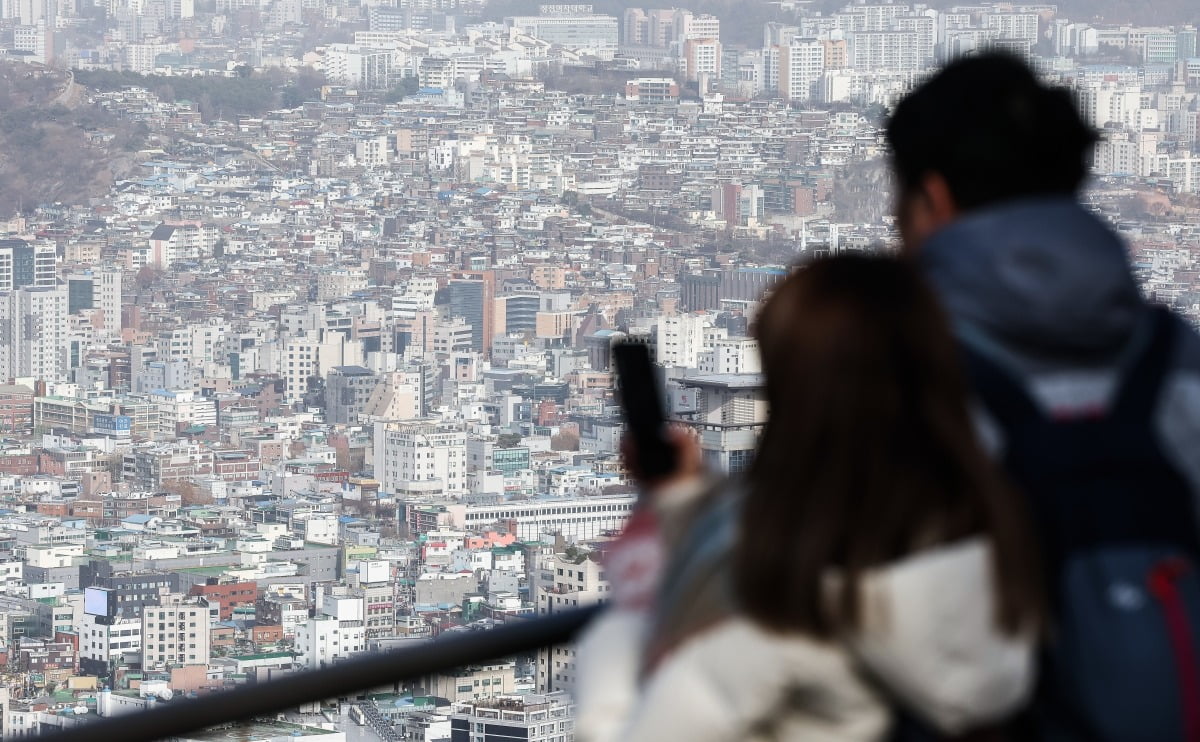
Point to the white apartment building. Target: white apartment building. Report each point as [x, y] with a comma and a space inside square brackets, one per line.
[420, 457]
[731, 356]
[1118, 154]
[150, 376]
[176, 633]
[957, 42]
[801, 65]
[925, 27]
[877, 51]
[182, 408]
[308, 354]
[563, 583]
[103, 640]
[359, 66]
[33, 333]
[1182, 170]
[1109, 103]
[323, 640]
[437, 72]
[183, 9]
[26, 264]
[141, 58]
[870, 17]
[418, 294]
[171, 243]
[12, 575]
[687, 25]
[107, 287]
[701, 58]
[1021, 26]
[399, 395]
[37, 39]
[535, 718]
[680, 340]
[195, 344]
[452, 335]
[372, 152]
[29, 12]
[501, 559]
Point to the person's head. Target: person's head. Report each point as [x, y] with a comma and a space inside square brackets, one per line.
[981, 131]
[869, 452]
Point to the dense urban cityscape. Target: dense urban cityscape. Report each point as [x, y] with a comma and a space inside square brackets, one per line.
[308, 307]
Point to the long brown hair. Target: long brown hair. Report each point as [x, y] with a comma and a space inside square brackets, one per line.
[869, 453]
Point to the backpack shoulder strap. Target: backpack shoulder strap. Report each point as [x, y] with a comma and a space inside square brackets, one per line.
[1002, 394]
[1138, 391]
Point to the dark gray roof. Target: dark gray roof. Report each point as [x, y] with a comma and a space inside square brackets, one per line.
[162, 232]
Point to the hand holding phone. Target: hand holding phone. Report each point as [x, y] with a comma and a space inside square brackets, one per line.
[641, 403]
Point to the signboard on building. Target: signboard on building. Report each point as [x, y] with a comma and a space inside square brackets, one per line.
[98, 601]
[112, 424]
[566, 9]
[684, 401]
[374, 571]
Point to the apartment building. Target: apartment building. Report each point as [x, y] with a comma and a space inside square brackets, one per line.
[176, 633]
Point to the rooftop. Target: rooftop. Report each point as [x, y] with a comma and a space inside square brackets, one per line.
[733, 382]
[258, 731]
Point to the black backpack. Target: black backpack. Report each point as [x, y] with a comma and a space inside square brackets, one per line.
[1118, 532]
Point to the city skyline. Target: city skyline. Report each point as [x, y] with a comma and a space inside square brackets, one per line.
[307, 307]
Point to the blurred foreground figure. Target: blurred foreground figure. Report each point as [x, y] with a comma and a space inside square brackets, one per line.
[1090, 396]
[872, 561]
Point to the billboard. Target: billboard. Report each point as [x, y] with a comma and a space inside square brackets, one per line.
[684, 400]
[112, 424]
[374, 571]
[97, 601]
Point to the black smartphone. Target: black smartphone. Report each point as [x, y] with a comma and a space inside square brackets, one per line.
[641, 402]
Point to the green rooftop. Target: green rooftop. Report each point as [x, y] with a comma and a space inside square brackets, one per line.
[262, 656]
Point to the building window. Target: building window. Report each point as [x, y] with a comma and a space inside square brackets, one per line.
[739, 461]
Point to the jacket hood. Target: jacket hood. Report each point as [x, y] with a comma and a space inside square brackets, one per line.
[929, 634]
[1044, 275]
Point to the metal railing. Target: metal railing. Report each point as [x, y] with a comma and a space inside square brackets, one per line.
[177, 718]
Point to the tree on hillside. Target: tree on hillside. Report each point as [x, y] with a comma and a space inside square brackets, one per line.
[189, 493]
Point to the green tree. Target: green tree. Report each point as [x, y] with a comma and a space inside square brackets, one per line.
[406, 87]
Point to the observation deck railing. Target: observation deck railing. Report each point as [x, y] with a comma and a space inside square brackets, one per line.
[178, 718]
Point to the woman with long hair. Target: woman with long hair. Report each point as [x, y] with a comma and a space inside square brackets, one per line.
[871, 564]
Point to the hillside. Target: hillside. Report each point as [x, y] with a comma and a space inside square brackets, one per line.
[247, 94]
[54, 145]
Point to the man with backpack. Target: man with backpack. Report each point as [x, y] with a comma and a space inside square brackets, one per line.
[1087, 393]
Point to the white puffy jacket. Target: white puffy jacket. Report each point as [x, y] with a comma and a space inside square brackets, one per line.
[928, 641]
